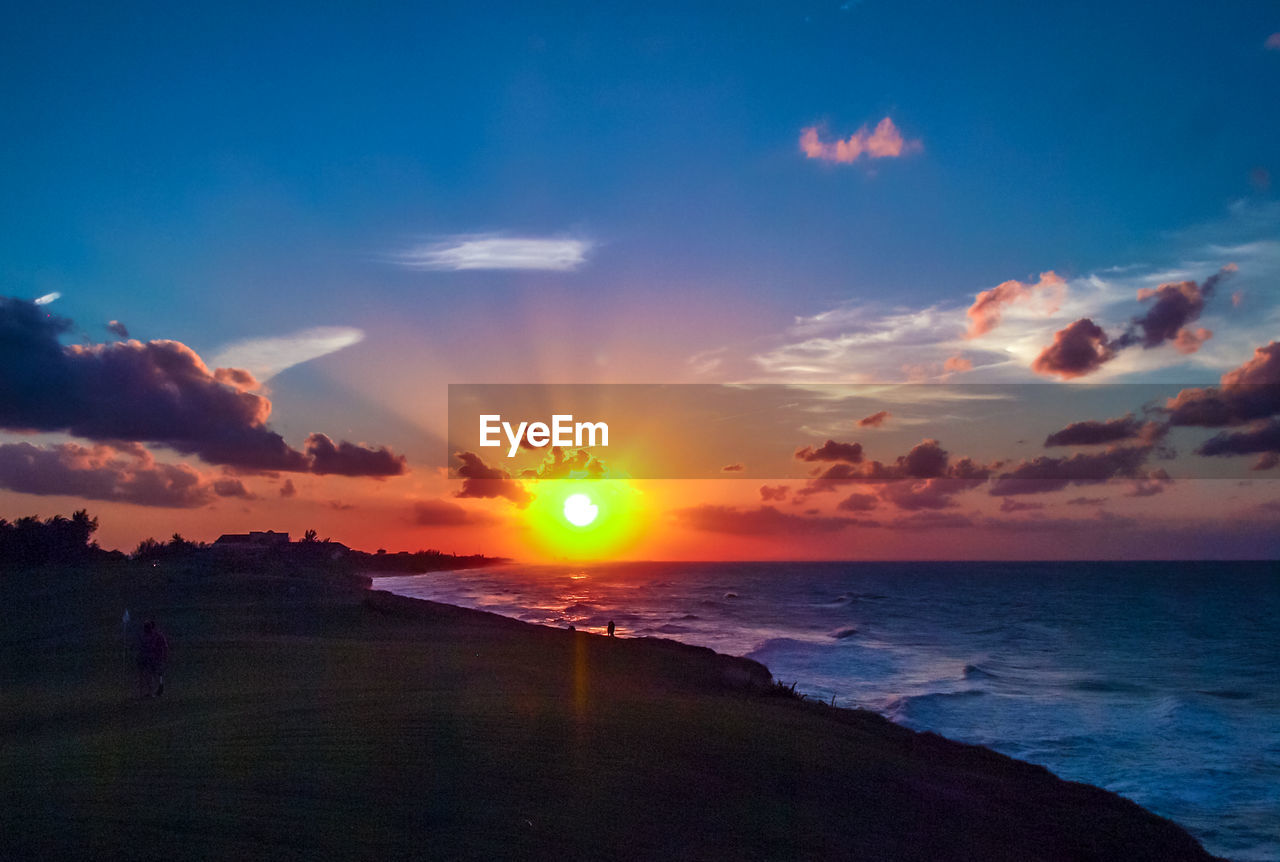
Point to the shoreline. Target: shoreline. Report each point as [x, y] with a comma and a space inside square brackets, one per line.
[325, 719]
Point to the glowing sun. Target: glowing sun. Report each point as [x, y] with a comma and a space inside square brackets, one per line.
[579, 510]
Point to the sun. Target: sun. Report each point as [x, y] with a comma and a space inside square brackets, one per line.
[579, 510]
[576, 518]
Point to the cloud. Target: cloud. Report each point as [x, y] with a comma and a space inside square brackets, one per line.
[264, 358]
[232, 487]
[287, 490]
[1008, 504]
[481, 480]
[560, 463]
[885, 142]
[1263, 438]
[857, 503]
[1086, 501]
[1082, 347]
[984, 314]
[957, 364]
[875, 420]
[47, 298]
[773, 492]
[157, 392]
[351, 459]
[923, 478]
[1093, 433]
[115, 327]
[1272, 43]
[1043, 474]
[1266, 461]
[929, 494]
[487, 251]
[1249, 392]
[1176, 305]
[442, 513]
[1077, 350]
[126, 474]
[850, 453]
[762, 521]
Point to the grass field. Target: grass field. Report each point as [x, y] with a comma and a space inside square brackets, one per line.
[300, 722]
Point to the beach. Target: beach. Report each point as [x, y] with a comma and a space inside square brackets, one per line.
[308, 716]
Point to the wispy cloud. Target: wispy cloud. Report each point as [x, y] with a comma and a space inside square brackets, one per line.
[1273, 42]
[885, 141]
[47, 298]
[267, 357]
[486, 251]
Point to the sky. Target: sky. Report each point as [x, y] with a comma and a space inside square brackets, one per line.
[347, 210]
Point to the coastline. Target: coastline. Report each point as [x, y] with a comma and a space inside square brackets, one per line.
[344, 720]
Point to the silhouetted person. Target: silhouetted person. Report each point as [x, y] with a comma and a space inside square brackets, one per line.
[153, 652]
[610, 628]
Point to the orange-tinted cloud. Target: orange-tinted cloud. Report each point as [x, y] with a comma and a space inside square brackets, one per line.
[773, 492]
[956, 364]
[875, 420]
[481, 480]
[1189, 341]
[124, 474]
[988, 305]
[884, 142]
[732, 468]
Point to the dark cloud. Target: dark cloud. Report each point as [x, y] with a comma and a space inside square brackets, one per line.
[1043, 474]
[1266, 461]
[761, 521]
[481, 480]
[927, 494]
[1079, 349]
[442, 513]
[1176, 305]
[1092, 433]
[1086, 501]
[927, 460]
[351, 459]
[122, 475]
[339, 506]
[875, 420]
[773, 492]
[849, 453]
[231, 487]
[1100, 521]
[732, 468]
[158, 392]
[857, 503]
[115, 327]
[287, 489]
[1247, 393]
[1262, 438]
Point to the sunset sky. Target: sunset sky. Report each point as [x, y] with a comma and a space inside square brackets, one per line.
[247, 250]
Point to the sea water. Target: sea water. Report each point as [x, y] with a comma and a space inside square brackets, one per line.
[1159, 681]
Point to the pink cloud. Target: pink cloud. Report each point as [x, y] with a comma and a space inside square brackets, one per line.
[884, 142]
[988, 305]
[1188, 341]
[1273, 42]
[875, 420]
[957, 363]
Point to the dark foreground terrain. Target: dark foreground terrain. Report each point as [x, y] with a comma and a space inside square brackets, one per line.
[308, 718]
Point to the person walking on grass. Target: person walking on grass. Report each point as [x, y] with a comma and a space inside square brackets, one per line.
[153, 652]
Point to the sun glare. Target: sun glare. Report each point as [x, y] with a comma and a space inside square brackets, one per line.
[573, 518]
[579, 510]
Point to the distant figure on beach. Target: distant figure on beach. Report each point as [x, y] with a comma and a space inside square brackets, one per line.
[610, 628]
[153, 651]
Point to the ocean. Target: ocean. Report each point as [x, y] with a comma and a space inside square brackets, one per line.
[1159, 681]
